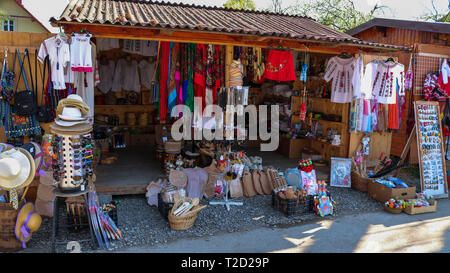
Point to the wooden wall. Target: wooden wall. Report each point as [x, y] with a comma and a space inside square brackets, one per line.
[21, 41]
[403, 37]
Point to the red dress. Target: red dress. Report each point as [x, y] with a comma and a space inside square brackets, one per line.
[280, 66]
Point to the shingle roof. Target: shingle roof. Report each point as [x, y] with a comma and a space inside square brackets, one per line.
[201, 18]
[436, 27]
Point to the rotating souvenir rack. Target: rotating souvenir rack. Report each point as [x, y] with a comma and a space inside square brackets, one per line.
[73, 162]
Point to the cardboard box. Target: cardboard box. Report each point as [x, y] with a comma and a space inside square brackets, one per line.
[382, 193]
[292, 148]
[413, 210]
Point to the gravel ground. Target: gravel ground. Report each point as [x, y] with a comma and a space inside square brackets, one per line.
[143, 225]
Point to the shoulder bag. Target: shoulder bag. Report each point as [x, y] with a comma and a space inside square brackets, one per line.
[44, 112]
[25, 101]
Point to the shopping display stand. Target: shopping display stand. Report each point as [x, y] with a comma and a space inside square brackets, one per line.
[62, 195]
[226, 202]
[65, 188]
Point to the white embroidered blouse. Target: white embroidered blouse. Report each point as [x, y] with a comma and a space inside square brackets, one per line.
[341, 71]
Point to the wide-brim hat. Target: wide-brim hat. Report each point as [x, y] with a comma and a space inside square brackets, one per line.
[17, 169]
[28, 221]
[69, 123]
[79, 129]
[5, 147]
[71, 113]
[35, 151]
[72, 100]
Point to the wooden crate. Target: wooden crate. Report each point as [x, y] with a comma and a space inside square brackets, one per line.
[413, 210]
[292, 148]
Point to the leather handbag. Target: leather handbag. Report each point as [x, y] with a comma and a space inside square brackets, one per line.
[45, 112]
[25, 101]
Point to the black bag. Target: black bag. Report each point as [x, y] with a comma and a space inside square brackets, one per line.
[45, 112]
[25, 101]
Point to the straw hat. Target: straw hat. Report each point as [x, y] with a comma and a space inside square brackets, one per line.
[72, 100]
[79, 129]
[28, 221]
[17, 169]
[71, 111]
[5, 147]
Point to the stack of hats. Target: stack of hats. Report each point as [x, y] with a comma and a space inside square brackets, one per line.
[72, 116]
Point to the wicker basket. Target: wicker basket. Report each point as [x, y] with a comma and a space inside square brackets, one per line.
[393, 210]
[8, 217]
[171, 146]
[186, 221]
[359, 183]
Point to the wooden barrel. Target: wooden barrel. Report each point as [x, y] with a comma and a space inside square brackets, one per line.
[8, 217]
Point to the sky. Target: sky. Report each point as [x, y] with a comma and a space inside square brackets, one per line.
[397, 9]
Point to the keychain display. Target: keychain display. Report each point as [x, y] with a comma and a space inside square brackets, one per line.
[431, 147]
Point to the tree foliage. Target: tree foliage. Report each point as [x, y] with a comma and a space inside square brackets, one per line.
[240, 4]
[436, 15]
[338, 14]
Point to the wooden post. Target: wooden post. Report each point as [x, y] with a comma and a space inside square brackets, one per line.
[228, 60]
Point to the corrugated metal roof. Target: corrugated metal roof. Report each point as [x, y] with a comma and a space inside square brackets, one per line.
[202, 18]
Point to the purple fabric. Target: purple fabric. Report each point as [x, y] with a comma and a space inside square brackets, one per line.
[197, 179]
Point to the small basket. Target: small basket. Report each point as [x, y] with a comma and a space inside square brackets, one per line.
[8, 217]
[292, 206]
[186, 221]
[393, 210]
[359, 183]
[172, 146]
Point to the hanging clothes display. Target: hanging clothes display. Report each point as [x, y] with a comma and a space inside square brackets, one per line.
[84, 84]
[444, 78]
[389, 77]
[81, 53]
[59, 54]
[280, 66]
[106, 73]
[146, 70]
[164, 73]
[236, 73]
[105, 44]
[340, 70]
[200, 73]
[172, 91]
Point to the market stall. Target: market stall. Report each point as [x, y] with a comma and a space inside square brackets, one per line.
[338, 98]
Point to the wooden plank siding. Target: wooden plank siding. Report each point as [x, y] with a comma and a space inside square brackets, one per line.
[403, 37]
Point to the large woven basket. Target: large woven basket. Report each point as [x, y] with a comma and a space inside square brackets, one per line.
[8, 217]
[186, 221]
[359, 183]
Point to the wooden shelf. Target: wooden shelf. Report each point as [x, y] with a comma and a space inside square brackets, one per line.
[326, 143]
[329, 121]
